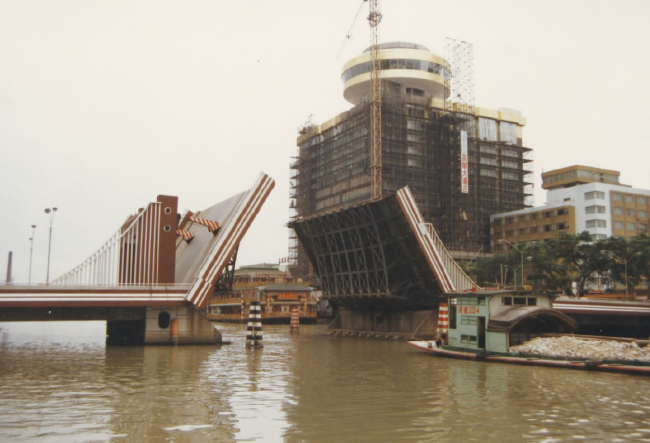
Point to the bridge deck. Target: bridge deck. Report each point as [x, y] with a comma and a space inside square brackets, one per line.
[14, 296]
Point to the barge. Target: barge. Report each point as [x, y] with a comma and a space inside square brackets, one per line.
[489, 325]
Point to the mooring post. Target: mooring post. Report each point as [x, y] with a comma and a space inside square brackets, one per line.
[254, 337]
[294, 327]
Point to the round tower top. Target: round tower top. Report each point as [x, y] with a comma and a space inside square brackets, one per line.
[410, 67]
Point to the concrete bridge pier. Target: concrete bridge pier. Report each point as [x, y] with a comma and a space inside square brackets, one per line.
[404, 325]
[164, 326]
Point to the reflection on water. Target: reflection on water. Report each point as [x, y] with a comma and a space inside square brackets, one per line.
[59, 383]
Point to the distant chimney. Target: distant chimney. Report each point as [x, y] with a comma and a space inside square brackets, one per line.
[9, 278]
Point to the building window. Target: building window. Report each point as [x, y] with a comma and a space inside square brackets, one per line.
[643, 227]
[488, 172]
[474, 301]
[508, 152]
[468, 320]
[618, 225]
[488, 161]
[617, 211]
[486, 149]
[487, 129]
[629, 212]
[467, 338]
[642, 214]
[508, 132]
[594, 194]
[506, 301]
[630, 227]
[561, 226]
[616, 197]
[594, 209]
[599, 237]
[629, 199]
[640, 200]
[596, 223]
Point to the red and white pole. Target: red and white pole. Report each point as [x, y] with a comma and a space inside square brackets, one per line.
[294, 327]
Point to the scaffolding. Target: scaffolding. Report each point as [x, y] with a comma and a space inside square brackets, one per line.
[421, 149]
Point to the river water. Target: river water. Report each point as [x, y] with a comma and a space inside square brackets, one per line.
[60, 383]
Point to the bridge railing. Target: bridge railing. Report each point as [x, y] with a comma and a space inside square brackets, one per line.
[460, 279]
[128, 258]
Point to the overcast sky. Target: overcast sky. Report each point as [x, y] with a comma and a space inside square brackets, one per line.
[106, 104]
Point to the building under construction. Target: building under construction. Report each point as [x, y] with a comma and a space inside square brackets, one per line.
[462, 163]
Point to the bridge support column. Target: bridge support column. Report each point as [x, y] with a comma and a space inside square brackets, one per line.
[154, 327]
[194, 328]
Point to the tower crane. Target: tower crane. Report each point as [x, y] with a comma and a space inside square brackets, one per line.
[374, 17]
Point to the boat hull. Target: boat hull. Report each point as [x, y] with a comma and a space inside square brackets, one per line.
[532, 360]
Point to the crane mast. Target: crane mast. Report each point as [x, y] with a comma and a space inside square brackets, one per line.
[374, 17]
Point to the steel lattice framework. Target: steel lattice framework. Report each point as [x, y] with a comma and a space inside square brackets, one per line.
[367, 256]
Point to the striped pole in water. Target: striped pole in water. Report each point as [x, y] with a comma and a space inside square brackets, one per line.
[294, 327]
[254, 337]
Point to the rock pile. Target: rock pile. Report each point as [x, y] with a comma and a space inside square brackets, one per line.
[568, 346]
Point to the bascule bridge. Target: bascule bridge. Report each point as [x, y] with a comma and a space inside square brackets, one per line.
[152, 280]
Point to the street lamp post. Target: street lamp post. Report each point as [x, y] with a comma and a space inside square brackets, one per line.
[522, 261]
[51, 212]
[624, 262]
[31, 250]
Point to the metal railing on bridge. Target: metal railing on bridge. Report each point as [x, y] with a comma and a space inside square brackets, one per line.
[129, 258]
[459, 278]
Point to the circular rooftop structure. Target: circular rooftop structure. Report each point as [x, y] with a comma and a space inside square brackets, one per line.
[416, 69]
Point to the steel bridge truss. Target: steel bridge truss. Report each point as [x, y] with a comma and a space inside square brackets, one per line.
[366, 255]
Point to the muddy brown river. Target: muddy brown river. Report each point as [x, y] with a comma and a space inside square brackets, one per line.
[60, 383]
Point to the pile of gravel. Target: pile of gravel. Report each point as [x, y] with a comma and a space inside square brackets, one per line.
[567, 346]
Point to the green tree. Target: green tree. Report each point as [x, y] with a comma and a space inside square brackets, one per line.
[569, 258]
[640, 261]
[562, 260]
[628, 259]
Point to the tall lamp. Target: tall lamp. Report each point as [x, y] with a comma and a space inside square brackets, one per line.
[51, 212]
[31, 250]
[522, 261]
[604, 251]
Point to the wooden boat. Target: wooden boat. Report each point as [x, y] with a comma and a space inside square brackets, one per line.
[485, 325]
